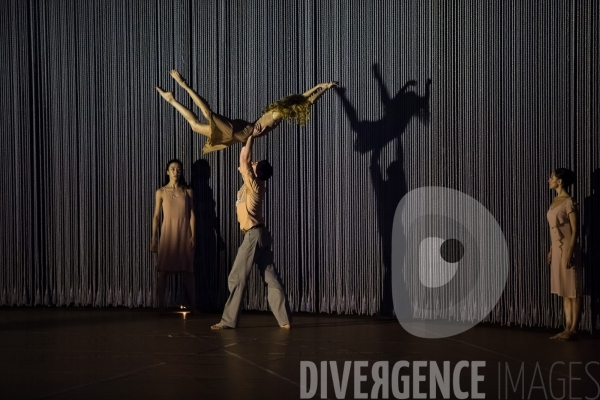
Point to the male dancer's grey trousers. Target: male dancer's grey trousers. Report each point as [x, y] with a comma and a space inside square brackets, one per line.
[255, 249]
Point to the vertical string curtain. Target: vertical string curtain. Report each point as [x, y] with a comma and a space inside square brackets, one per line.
[85, 138]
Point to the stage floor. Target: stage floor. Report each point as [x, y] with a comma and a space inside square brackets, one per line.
[87, 353]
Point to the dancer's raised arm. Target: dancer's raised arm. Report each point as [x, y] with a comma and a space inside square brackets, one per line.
[294, 107]
[246, 154]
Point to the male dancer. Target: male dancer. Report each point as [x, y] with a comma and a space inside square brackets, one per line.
[256, 247]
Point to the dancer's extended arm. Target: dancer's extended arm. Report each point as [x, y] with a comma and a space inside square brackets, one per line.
[246, 153]
[314, 93]
[155, 222]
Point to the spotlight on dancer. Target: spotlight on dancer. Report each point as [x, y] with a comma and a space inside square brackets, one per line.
[564, 257]
[176, 246]
[256, 246]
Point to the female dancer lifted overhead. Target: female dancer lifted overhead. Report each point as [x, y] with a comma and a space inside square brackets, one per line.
[223, 132]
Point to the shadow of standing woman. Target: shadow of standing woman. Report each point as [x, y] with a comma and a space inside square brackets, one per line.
[208, 238]
[590, 236]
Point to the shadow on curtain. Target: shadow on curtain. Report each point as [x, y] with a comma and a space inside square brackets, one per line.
[374, 136]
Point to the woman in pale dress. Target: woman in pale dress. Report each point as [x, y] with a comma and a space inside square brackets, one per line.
[564, 256]
[223, 132]
[176, 246]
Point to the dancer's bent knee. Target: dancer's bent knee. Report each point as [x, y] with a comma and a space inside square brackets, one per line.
[235, 281]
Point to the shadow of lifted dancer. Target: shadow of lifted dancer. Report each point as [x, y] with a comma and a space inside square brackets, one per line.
[374, 136]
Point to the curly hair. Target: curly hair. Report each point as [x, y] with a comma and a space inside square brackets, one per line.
[295, 106]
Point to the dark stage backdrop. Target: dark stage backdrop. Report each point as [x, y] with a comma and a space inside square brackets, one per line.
[85, 137]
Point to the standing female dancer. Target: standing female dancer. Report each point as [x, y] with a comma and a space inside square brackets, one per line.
[176, 247]
[223, 132]
[564, 256]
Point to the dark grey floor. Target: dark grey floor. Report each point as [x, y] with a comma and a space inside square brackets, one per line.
[84, 353]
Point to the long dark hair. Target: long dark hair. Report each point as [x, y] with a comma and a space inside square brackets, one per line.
[182, 181]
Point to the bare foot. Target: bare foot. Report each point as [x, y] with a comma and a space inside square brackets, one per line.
[219, 326]
[287, 326]
[558, 335]
[569, 335]
[168, 96]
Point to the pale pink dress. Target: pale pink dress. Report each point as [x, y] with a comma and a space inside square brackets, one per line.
[564, 281]
[174, 254]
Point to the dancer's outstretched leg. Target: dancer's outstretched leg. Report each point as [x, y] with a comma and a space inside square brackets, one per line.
[349, 108]
[199, 101]
[190, 117]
